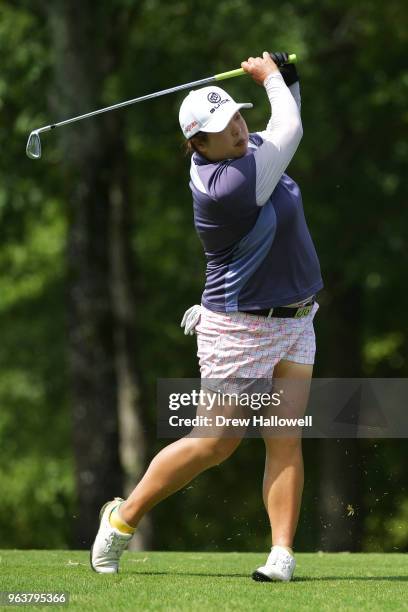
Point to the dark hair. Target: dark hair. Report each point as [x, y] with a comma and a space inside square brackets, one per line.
[190, 145]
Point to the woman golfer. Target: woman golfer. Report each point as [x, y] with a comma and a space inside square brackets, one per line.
[257, 309]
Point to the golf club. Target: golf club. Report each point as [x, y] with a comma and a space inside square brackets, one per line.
[33, 148]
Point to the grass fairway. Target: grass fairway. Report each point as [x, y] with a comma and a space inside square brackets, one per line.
[210, 581]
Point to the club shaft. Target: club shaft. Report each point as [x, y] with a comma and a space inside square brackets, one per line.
[218, 77]
[157, 94]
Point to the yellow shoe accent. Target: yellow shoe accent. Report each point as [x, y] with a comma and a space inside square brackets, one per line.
[116, 521]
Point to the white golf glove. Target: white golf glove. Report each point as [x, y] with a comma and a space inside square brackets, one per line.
[190, 319]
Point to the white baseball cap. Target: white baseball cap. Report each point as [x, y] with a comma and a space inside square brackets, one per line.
[209, 109]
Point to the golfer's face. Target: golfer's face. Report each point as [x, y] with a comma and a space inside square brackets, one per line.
[230, 143]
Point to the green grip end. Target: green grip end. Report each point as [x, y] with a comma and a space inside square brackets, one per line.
[239, 71]
[229, 74]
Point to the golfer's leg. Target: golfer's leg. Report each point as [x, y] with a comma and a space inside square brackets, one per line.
[171, 469]
[283, 487]
[284, 475]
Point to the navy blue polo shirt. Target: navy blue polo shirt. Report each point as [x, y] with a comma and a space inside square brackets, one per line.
[257, 256]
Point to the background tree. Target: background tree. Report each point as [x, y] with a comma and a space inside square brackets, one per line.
[88, 43]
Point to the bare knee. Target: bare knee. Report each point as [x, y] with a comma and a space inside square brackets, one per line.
[217, 450]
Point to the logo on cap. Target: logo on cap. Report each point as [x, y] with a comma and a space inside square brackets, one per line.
[190, 126]
[213, 97]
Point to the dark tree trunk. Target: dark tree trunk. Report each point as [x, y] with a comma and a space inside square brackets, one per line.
[340, 491]
[101, 307]
[131, 435]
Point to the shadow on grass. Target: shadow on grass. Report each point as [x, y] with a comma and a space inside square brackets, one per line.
[296, 579]
[191, 574]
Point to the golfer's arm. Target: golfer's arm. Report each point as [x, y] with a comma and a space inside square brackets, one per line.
[295, 91]
[281, 137]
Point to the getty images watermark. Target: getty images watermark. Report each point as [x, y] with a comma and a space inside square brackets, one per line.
[320, 408]
[226, 402]
[230, 408]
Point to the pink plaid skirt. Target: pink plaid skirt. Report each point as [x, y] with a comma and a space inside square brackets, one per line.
[239, 345]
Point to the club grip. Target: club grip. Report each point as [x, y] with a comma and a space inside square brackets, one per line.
[282, 57]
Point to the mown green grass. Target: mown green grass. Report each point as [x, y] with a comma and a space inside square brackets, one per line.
[210, 581]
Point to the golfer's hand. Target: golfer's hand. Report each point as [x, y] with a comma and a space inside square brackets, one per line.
[190, 319]
[260, 67]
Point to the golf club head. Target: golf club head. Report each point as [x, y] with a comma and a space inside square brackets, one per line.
[33, 148]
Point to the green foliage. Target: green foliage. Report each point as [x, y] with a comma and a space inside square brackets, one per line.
[36, 474]
[37, 505]
[36, 459]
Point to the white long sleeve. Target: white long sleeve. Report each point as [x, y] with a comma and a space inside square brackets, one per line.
[281, 137]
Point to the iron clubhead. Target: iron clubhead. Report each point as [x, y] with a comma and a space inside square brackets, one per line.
[33, 148]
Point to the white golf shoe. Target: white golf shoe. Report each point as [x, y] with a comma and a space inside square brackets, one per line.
[280, 565]
[109, 543]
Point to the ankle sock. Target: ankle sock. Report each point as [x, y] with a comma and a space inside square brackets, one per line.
[117, 521]
[287, 548]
